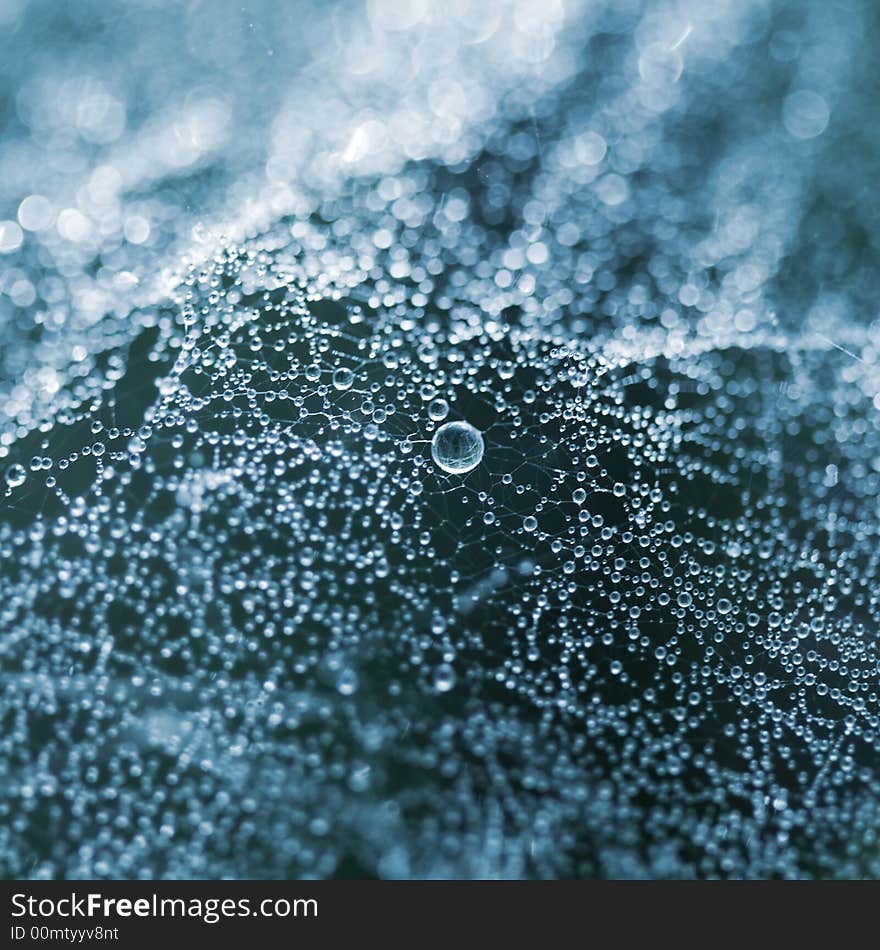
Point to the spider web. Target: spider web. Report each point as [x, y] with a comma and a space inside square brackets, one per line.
[249, 628]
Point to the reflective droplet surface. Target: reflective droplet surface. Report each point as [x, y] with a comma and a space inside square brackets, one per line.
[15, 475]
[438, 410]
[343, 378]
[457, 447]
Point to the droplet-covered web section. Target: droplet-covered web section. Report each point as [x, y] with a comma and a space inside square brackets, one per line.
[462, 466]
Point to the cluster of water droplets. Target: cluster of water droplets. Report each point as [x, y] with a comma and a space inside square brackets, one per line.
[449, 506]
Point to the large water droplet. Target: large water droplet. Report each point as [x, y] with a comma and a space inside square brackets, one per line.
[15, 475]
[343, 378]
[457, 447]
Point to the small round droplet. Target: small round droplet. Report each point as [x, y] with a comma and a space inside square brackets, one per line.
[438, 410]
[444, 678]
[805, 114]
[15, 475]
[347, 682]
[457, 447]
[343, 378]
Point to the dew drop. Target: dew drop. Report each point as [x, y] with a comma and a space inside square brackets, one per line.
[438, 410]
[343, 378]
[457, 447]
[15, 475]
